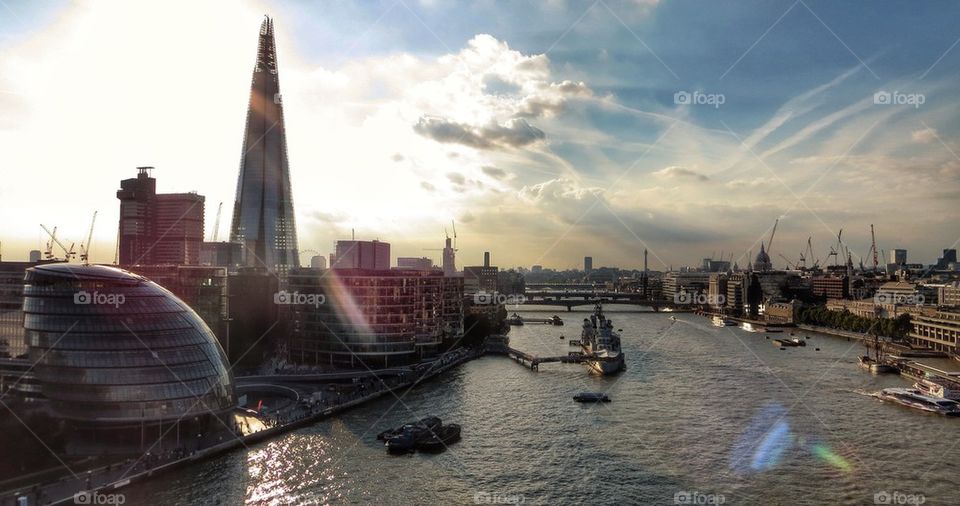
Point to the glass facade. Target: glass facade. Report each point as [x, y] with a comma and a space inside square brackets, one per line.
[112, 346]
[263, 220]
[379, 318]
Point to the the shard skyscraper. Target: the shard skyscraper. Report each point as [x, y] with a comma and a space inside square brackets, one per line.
[263, 220]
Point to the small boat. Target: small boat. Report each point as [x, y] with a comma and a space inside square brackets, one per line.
[404, 442]
[591, 397]
[785, 342]
[723, 322]
[799, 342]
[428, 423]
[440, 439]
[555, 320]
[674, 318]
[917, 400]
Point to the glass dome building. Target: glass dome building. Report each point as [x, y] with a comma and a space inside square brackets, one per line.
[114, 349]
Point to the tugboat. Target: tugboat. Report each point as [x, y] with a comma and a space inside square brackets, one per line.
[515, 319]
[601, 344]
[555, 320]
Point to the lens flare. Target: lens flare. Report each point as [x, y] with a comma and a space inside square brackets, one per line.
[824, 453]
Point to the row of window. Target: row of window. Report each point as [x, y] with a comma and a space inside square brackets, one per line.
[124, 340]
[131, 393]
[127, 375]
[113, 358]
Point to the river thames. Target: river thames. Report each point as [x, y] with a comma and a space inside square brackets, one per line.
[701, 414]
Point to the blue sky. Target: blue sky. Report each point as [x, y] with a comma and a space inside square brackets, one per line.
[547, 130]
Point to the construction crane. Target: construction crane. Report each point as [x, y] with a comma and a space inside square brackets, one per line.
[216, 223]
[67, 252]
[85, 248]
[789, 266]
[873, 241]
[454, 226]
[772, 232]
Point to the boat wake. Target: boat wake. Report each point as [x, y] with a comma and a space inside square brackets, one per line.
[860, 391]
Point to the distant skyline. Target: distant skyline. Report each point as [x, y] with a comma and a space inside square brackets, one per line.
[546, 141]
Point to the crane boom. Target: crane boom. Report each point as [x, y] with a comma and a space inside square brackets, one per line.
[216, 222]
[85, 248]
[873, 240]
[772, 232]
[53, 236]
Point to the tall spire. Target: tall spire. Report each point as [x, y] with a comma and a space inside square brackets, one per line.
[263, 219]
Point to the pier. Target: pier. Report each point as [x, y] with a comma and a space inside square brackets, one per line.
[533, 361]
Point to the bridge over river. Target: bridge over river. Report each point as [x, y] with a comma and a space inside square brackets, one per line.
[573, 298]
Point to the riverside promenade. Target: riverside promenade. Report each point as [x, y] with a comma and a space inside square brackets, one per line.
[103, 485]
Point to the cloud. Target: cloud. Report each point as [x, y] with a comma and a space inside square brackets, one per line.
[427, 186]
[680, 172]
[456, 178]
[397, 157]
[924, 136]
[515, 133]
[494, 172]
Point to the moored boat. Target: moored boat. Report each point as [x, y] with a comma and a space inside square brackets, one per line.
[938, 387]
[917, 400]
[440, 439]
[601, 344]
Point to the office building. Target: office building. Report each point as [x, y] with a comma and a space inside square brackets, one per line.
[370, 255]
[221, 254]
[898, 256]
[165, 228]
[689, 283]
[371, 318]
[831, 286]
[588, 264]
[422, 263]
[263, 219]
[949, 257]
[479, 278]
[939, 331]
[118, 357]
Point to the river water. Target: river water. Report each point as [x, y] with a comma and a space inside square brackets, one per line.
[702, 414]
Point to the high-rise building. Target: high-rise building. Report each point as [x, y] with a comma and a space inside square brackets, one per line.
[480, 278]
[949, 256]
[449, 259]
[587, 264]
[372, 255]
[898, 256]
[155, 229]
[263, 220]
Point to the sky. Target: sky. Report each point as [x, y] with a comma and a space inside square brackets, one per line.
[546, 131]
